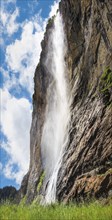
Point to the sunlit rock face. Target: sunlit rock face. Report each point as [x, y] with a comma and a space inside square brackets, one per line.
[87, 156]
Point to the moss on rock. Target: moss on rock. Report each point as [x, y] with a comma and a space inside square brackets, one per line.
[105, 85]
[40, 181]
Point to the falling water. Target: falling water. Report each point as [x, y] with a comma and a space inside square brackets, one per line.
[55, 130]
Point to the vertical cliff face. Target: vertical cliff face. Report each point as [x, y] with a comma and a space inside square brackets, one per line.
[87, 162]
[42, 79]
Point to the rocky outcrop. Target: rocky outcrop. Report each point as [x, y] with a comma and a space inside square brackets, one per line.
[87, 162]
[91, 185]
[8, 193]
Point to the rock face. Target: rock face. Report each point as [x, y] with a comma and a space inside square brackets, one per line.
[41, 81]
[86, 169]
[88, 155]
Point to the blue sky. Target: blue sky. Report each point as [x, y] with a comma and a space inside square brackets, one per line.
[22, 25]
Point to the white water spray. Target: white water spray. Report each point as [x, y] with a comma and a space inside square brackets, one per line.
[55, 130]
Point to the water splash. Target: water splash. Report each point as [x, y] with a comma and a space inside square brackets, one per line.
[55, 130]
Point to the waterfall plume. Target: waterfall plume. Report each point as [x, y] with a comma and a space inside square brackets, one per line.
[56, 125]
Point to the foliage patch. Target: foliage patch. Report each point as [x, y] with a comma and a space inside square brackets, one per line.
[40, 181]
[105, 85]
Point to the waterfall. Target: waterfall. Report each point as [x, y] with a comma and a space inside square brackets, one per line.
[56, 125]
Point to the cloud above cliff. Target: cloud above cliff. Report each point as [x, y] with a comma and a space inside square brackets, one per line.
[28, 50]
[16, 121]
[22, 29]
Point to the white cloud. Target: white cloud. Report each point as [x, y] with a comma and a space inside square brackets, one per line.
[11, 174]
[12, 26]
[15, 124]
[16, 113]
[4, 17]
[22, 57]
[27, 51]
[8, 21]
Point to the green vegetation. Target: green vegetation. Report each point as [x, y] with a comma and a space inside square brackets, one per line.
[23, 201]
[106, 80]
[50, 21]
[105, 85]
[93, 211]
[40, 182]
